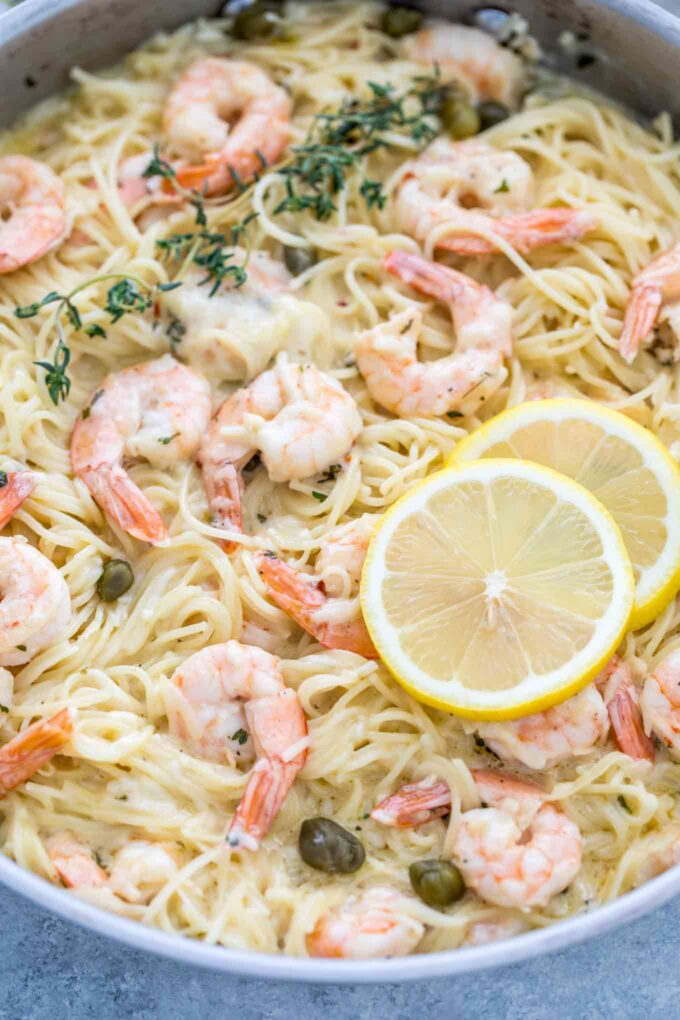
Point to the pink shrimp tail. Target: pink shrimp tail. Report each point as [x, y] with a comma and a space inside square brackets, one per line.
[30, 750]
[526, 231]
[125, 504]
[414, 804]
[267, 787]
[641, 314]
[301, 598]
[626, 719]
[18, 486]
[428, 277]
[224, 490]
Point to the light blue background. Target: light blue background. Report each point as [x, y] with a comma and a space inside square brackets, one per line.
[50, 970]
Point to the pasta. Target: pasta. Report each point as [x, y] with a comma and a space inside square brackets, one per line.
[125, 775]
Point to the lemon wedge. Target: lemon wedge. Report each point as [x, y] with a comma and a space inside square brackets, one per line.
[624, 466]
[496, 589]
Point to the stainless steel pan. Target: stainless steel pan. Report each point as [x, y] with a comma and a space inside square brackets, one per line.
[637, 47]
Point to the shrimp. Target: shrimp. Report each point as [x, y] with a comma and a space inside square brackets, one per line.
[33, 748]
[375, 923]
[387, 353]
[660, 702]
[513, 854]
[469, 186]
[301, 421]
[621, 699]
[158, 411]
[211, 93]
[32, 211]
[472, 58]
[656, 285]
[144, 196]
[234, 333]
[545, 739]
[219, 696]
[495, 928]
[15, 487]
[139, 869]
[322, 607]
[36, 606]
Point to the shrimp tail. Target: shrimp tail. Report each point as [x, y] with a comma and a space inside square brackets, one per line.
[414, 804]
[641, 314]
[224, 491]
[30, 750]
[526, 231]
[18, 486]
[74, 862]
[125, 504]
[302, 599]
[626, 719]
[268, 783]
[428, 277]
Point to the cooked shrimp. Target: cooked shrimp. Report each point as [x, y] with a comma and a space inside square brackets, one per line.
[372, 924]
[511, 854]
[32, 211]
[33, 748]
[471, 57]
[145, 196]
[494, 929]
[212, 94]
[414, 804]
[225, 692]
[545, 739]
[157, 411]
[15, 486]
[301, 421]
[139, 869]
[387, 353]
[660, 702]
[655, 286]
[623, 706]
[36, 605]
[471, 185]
[305, 600]
[342, 554]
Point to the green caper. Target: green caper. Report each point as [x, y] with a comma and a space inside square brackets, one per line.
[492, 113]
[259, 21]
[299, 259]
[437, 883]
[399, 21]
[114, 580]
[326, 846]
[459, 117]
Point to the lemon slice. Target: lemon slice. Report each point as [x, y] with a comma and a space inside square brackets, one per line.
[496, 588]
[623, 464]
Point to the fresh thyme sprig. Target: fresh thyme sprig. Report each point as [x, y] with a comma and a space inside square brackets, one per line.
[128, 294]
[212, 251]
[338, 141]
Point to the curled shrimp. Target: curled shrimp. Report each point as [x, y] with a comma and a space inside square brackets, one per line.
[139, 869]
[516, 853]
[548, 738]
[212, 94]
[32, 211]
[468, 186]
[623, 705]
[230, 691]
[157, 411]
[660, 702]
[655, 286]
[322, 606]
[36, 605]
[372, 924]
[15, 487]
[301, 421]
[469, 57]
[33, 748]
[387, 353]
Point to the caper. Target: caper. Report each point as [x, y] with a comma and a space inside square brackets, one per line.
[492, 113]
[459, 117]
[437, 883]
[399, 21]
[326, 846]
[114, 580]
[299, 259]
[259, 21]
